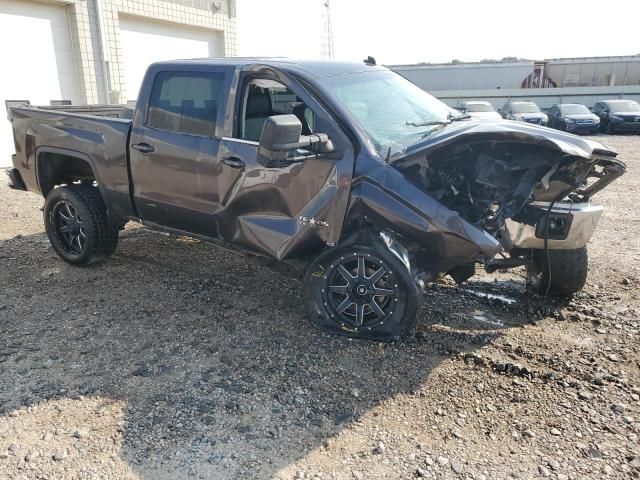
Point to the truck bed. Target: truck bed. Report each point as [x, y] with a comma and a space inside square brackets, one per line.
[43, 135]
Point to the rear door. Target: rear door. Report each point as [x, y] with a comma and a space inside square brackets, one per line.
[175, 142]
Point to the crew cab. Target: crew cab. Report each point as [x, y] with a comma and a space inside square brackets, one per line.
[379, 187]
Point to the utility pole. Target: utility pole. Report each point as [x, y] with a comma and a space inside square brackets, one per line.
[327, 31]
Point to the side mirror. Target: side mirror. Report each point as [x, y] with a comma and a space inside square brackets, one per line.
[281, 138]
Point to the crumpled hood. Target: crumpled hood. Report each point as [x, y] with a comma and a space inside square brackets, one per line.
[506, 130]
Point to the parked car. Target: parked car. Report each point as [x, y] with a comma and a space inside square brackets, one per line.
[574, 118]
[524, 112]
[479, 109]
[618, 116]
[351, 168]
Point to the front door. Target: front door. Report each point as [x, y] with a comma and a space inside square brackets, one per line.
[290, 210]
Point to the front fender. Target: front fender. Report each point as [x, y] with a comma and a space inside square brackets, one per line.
[393, 203]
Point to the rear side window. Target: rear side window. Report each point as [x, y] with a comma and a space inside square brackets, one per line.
[186, 102]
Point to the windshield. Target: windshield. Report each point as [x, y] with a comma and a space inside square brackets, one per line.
[574, 109]
[629, 106]
[392, 111]
[524, 108]
[479, 107]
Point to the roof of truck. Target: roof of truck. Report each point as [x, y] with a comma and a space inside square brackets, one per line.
[317, 68]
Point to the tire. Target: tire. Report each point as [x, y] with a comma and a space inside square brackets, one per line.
[385, 317]
[567, 275]
[78, 225]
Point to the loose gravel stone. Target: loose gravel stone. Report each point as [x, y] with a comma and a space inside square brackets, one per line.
[60, 455]
[180, 360]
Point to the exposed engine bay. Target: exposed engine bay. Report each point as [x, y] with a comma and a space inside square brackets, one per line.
[490, 182]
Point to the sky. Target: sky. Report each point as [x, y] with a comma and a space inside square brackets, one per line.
[412, 31]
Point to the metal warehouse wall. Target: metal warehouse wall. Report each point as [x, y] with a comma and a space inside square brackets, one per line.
[466, 76]
[565, 72]
[579, 80]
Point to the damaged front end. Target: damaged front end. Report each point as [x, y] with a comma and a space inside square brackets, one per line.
[528, 187]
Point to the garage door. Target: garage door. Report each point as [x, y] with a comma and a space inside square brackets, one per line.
[36, 59]
[144, 42]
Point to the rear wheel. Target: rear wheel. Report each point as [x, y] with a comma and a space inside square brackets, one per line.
[362, 291]
[564, 274]
[78, 225]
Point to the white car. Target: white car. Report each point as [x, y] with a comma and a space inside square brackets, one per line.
[480, 110]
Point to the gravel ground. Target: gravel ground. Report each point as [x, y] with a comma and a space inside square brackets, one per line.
[175, 359]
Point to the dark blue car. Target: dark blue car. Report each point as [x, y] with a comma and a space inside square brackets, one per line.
[617, 116]
[574, 118]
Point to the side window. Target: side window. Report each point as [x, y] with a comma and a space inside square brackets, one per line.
[263, 98]
[186, 102]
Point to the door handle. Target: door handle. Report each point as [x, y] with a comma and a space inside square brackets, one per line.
[233, 162]
[143, 147]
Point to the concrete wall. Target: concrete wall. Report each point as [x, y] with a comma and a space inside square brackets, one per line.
[466, 76]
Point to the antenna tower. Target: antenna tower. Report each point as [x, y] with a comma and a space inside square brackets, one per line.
[327, 31]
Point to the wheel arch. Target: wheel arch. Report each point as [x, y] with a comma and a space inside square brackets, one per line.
[56, 166]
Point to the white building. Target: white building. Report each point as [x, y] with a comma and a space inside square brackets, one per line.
[96, 51]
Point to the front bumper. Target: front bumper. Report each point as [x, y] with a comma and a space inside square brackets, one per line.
[581, 220]
[625, 126]
[582, 127]
[15, 180]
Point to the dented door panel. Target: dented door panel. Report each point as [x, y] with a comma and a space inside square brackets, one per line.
[283, 212]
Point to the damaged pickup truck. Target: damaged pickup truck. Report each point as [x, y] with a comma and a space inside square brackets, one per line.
[380, 187]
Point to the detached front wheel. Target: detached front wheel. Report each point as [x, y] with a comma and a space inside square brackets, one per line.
[562, 274]
[362, 291]
[78, 225]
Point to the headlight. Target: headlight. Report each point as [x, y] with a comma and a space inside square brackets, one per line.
[617, 118]
[568, 120]
[545, 118]
[596, 119]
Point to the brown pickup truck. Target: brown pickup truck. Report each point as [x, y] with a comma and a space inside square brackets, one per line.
[379, 186]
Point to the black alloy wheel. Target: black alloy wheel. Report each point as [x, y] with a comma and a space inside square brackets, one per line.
[69, 228]
[78, 224]
[362, 291]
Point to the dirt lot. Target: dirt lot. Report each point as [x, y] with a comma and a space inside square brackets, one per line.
[175, 359]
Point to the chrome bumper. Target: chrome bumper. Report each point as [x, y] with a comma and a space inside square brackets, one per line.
[583, 218]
